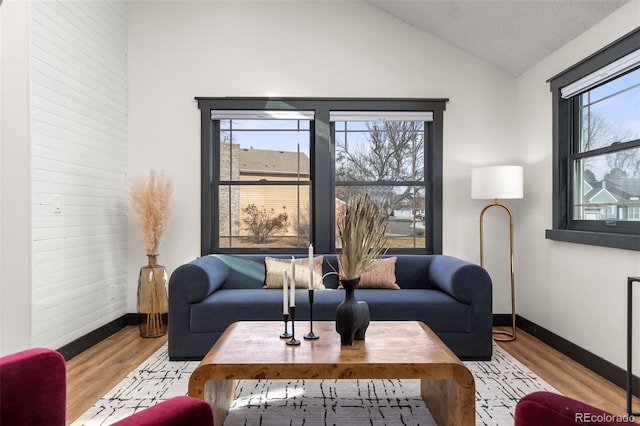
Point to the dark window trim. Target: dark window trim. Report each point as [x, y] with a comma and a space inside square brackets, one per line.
[322, 179]
[562, 111]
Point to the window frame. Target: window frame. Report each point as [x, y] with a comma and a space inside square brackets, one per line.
[322, 182]
[229, 183]
[565, 139]
[422, 184]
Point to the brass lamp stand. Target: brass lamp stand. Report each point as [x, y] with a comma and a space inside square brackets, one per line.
[502, 336]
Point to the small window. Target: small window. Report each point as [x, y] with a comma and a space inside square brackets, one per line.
[606, 163]
[597, 148]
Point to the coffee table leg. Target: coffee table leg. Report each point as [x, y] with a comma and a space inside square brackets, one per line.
[219, 395]
[451, 402]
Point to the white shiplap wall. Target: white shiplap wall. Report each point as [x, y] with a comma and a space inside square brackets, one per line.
[79, 163]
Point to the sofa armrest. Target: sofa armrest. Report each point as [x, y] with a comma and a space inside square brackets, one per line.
[461, 279]
[190, 284]
[194, 281]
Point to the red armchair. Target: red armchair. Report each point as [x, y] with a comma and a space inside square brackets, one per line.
[550, 409]
[33, 388]
[177, 411]
[33, 393]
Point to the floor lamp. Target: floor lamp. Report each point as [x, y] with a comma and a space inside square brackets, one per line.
[499, 182]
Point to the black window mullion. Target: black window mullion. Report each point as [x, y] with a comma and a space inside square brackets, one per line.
[215, 190]
[382, 183]
[322, 189]
[433, 169]
[611, 149]
[574, 142]
[265, 182]
[208, 188]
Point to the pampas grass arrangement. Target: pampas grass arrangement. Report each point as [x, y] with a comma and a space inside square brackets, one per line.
[150, 198]
[362, 232]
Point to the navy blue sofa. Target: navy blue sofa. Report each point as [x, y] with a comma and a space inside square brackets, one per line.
[452, 296]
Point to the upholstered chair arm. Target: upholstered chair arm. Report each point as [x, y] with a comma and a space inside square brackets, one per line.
[550, 409]
[177, 411]
[33, 388]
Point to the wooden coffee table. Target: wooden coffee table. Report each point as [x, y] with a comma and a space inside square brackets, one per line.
[392, 350]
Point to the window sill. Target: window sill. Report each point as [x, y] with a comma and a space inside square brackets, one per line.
[602, 239]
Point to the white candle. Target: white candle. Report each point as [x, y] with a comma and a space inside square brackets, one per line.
[285, 304]
[293, 271]
[310, 266]
[292, 295]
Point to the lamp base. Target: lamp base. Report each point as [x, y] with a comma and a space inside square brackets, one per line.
[504, 336]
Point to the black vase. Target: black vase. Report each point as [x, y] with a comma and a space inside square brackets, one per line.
[352, 317]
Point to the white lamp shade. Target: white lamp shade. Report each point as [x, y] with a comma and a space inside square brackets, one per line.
[504, 182]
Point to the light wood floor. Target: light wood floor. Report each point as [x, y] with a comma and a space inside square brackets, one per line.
[95, 371]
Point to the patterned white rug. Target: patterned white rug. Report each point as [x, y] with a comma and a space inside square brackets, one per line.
[500, 383]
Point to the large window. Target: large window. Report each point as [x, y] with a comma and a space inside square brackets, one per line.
[277, 172]
[597, 148]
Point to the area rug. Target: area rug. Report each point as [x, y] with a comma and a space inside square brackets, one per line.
[500, 383]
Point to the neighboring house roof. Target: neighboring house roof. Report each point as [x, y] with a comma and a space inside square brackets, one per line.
[627, 188]
[613, 190]
[263, 161]
[601, 196]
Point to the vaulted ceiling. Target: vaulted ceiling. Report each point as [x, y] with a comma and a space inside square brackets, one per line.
[511, 34]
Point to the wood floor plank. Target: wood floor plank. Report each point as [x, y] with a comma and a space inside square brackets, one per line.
[94, 372]
[567, 376]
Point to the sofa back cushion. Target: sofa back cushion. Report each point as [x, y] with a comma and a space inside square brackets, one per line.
[274, 267]
[412, 271]
[248, 270]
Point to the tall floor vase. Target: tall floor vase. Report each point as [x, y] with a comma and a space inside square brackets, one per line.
[153, 306]
[352, 316]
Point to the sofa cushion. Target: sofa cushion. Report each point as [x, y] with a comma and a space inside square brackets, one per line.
[275, 266]
[441, 311]
[381, 275]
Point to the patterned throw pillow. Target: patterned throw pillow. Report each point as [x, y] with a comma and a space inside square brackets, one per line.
[382, 274]
[274, 267]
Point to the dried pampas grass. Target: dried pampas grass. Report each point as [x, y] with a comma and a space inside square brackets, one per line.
[150, 198]
[362, 232]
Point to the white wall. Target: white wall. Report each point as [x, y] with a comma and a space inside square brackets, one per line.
[79, 165]
[576, 291]
[179, 50]
[15, 218]
[64, 141]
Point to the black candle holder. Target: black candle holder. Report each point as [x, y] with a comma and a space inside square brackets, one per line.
[286, 333]
[311, 335]
[292, 315]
